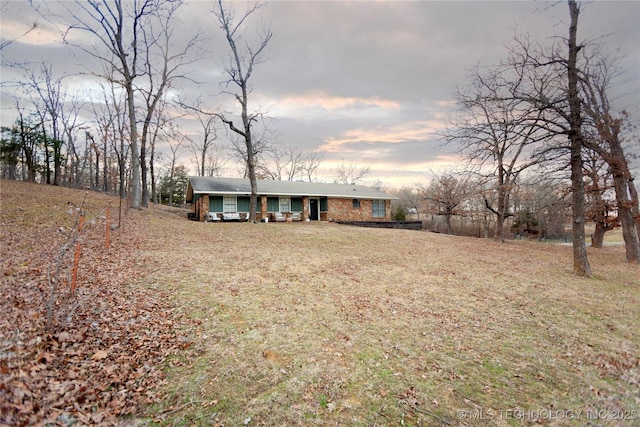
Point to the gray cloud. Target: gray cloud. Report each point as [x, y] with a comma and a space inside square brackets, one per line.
[365, 82]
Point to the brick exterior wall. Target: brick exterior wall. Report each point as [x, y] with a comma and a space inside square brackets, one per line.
[343, 210]
[201, 207]
[338, 209]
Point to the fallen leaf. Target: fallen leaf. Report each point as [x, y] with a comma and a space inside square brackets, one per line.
[99, 355]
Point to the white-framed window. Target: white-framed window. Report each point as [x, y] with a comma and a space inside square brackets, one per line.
[378, 209]
[356, 203]
[230, 204]
[285, 204]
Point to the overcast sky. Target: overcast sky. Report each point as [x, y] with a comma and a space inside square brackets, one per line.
[367, 83]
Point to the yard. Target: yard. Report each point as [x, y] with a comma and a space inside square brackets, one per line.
[322, 324]
[326, 324]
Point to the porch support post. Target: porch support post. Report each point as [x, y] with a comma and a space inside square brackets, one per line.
[204, 207]
[305, 208]
[263, 208]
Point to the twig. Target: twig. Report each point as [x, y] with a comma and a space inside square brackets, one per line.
[181, 407]
[53, 281]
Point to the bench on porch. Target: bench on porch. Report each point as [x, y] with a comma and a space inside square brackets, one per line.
[231, 217]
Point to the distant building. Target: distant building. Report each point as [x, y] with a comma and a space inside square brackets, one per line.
[214, 199]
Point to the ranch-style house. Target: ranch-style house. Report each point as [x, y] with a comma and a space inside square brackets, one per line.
[227, 199]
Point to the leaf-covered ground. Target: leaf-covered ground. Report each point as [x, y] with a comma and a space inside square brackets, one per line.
[187, 323]
[95, 355]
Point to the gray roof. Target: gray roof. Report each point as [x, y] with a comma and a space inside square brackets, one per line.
[242, 187]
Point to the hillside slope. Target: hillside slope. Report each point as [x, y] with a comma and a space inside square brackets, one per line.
[85, 357]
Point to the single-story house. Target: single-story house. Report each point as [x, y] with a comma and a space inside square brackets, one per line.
[214, 199]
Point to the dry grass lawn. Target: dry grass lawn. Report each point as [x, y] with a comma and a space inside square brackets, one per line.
[322, 324]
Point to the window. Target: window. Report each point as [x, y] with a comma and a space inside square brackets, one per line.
[285, 204]
[324, 204]
[229, 204]
[379, 208]
[356, 203]
[273, 204]
[215, 204]
[296, 204]
[244, 203]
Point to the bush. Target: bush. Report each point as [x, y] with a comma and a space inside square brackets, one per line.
[400, 213]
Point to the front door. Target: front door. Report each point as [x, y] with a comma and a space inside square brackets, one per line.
[314, 212]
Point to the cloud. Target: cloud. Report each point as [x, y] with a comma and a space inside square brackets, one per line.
[382, 135]
[366, 82]
[318, 105]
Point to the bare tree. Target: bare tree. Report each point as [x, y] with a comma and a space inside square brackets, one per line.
[541, 208]
[351, 173]
[412, 199]
[117, 26]
[581, 265]
[244, 58]
[498, 131]
[551, 77]
[282, 163]
[176, 141]
[71, 121]
[608, 126]
[26, 134]
[599, 208]
[48, 95]
[447, 192]
[310, 164]
[163, 64]
[202, 144]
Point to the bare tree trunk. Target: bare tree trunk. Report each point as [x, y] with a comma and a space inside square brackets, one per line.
[635, 205]
[627, 222]
[240, 71]
[136, 193]
[597, 239]
[581, 265]
[501, 214]
[154, 187]
[447, 221]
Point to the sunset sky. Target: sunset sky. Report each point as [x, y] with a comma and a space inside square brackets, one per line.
[365, 83]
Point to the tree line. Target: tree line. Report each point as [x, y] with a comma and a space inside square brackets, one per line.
[108, 138]
[544, 148]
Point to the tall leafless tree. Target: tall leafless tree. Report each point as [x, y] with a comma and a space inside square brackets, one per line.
[163, 66]
[282, 163]
[117, 27]
[581, 266]
[202, 144]
[48, 95]
[244, 58]
[609, 126]
[498, 133]
[176, 140]
[599, 209]
[552, 77]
